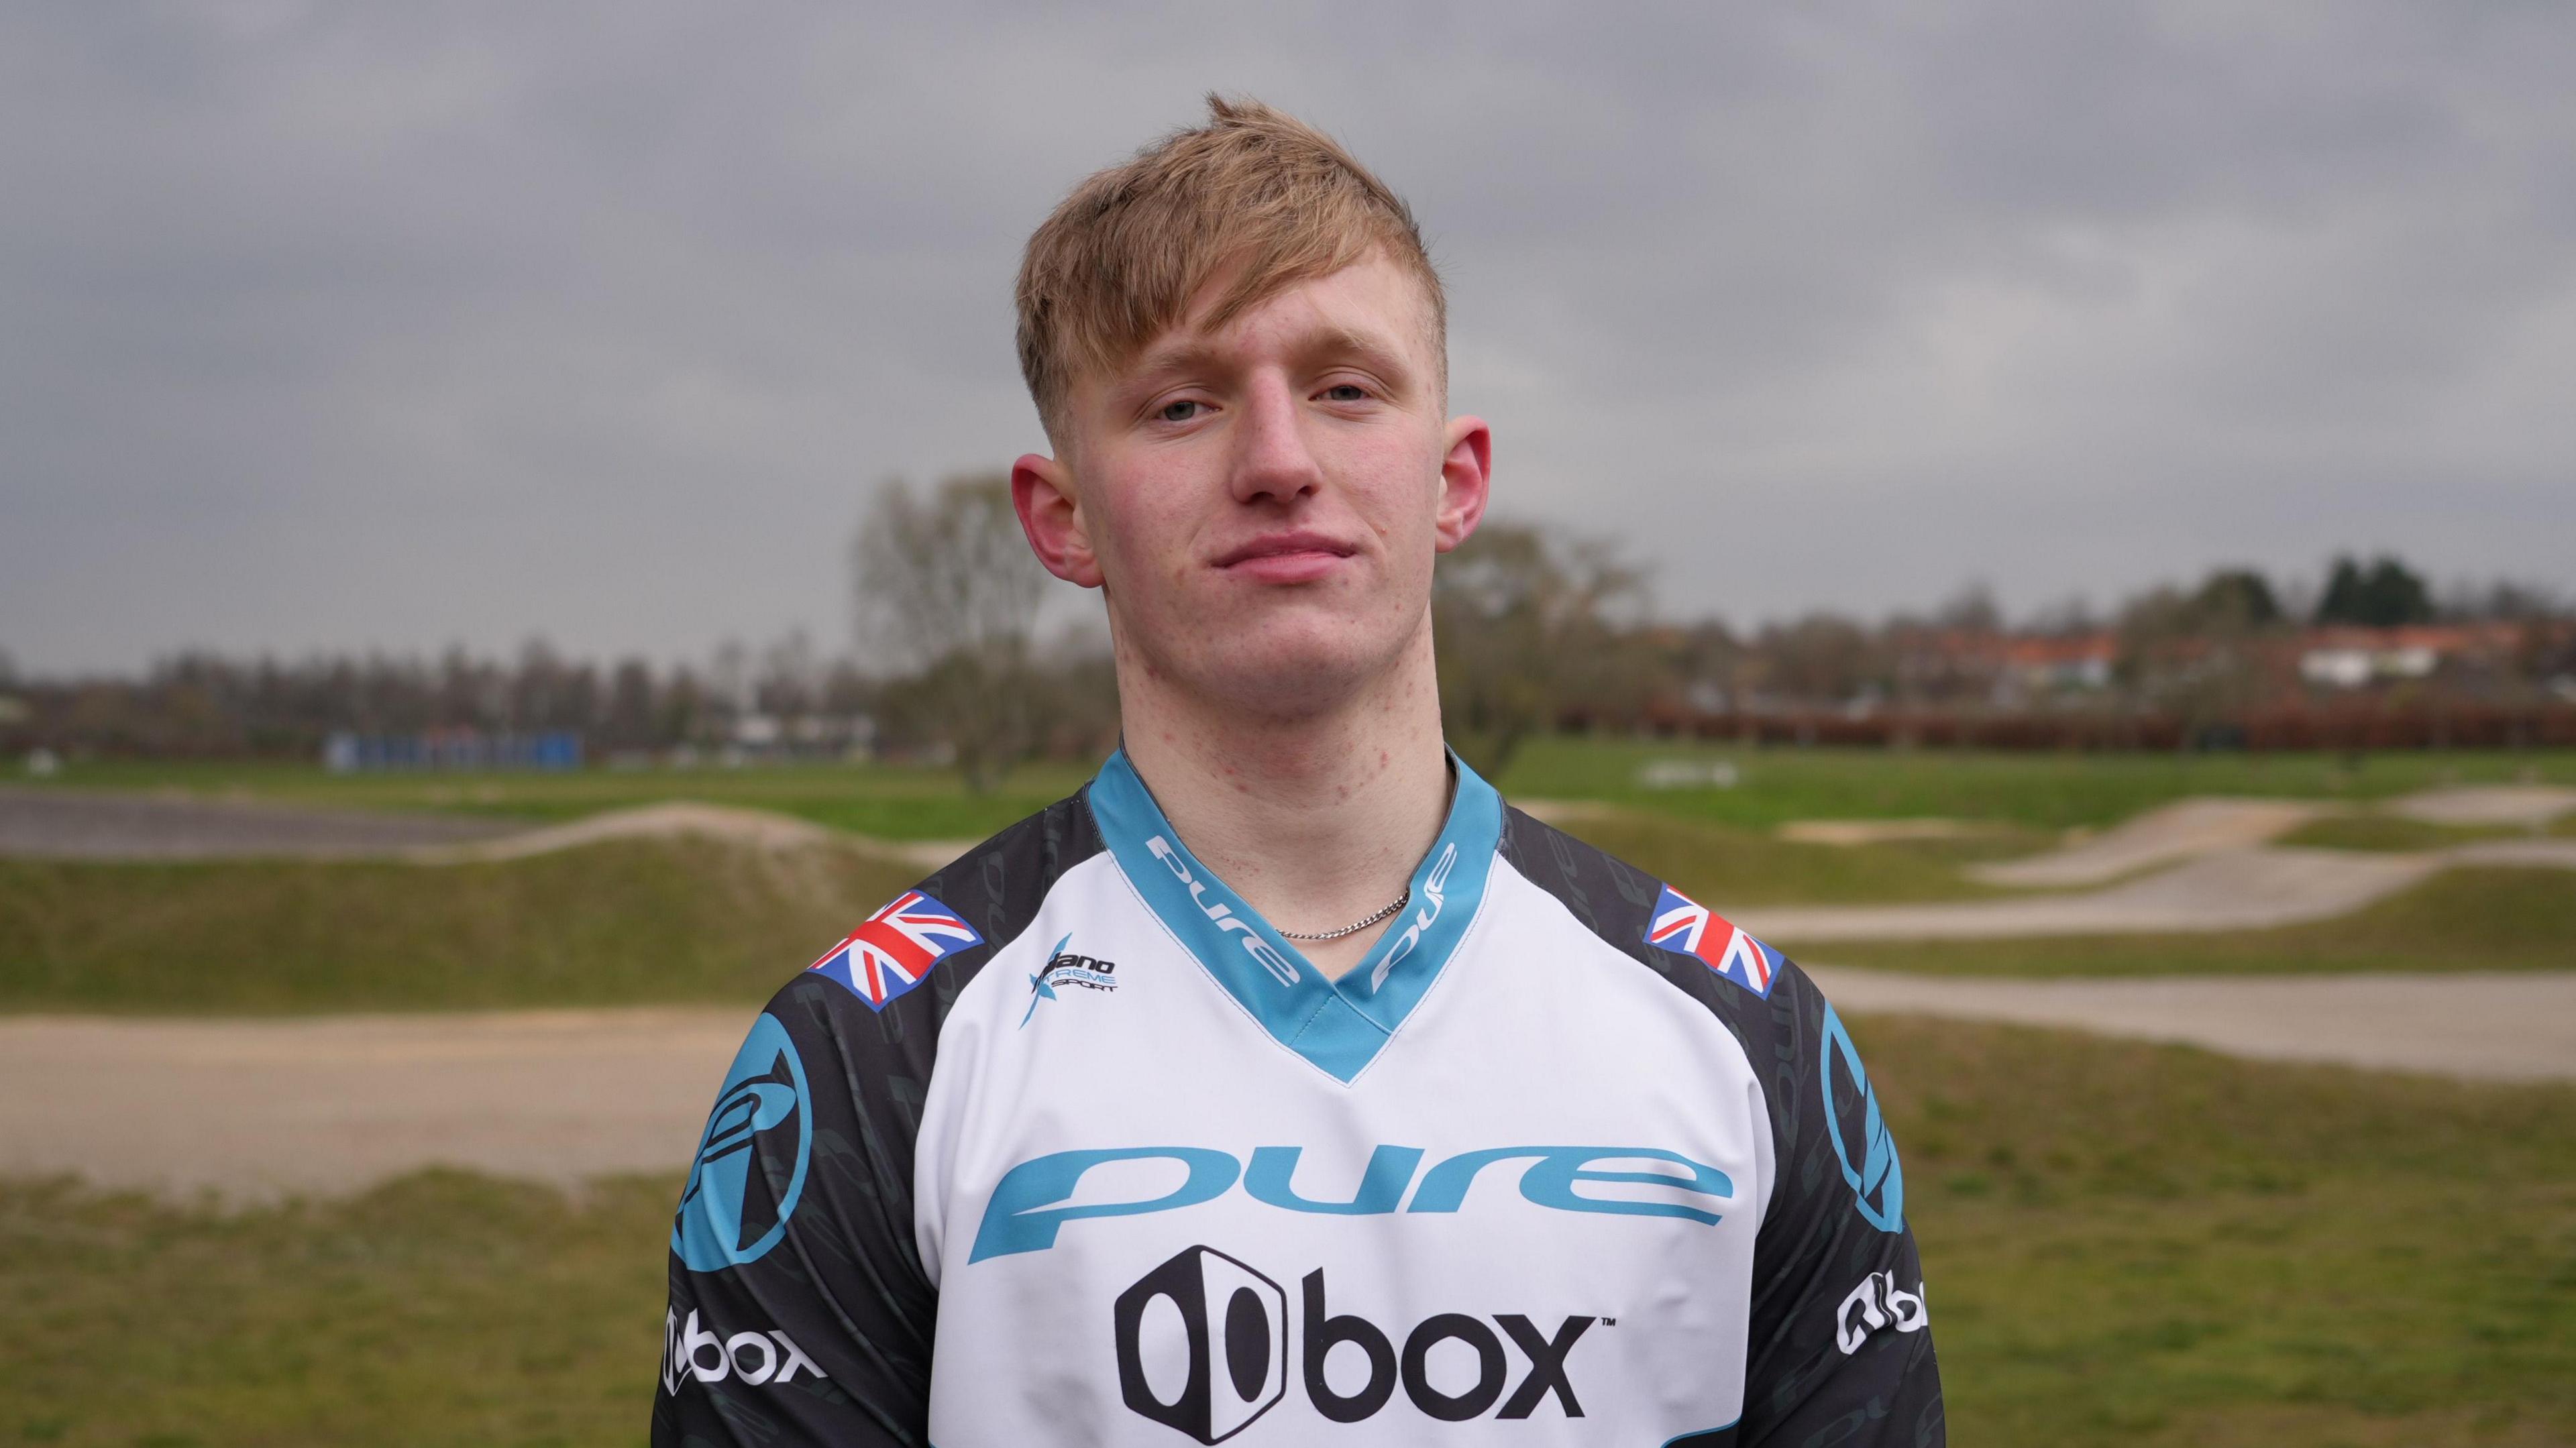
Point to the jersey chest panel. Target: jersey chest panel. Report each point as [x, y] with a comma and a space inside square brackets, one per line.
[1530, 1219]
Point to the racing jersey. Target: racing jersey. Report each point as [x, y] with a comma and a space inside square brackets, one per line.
[1069, 1146]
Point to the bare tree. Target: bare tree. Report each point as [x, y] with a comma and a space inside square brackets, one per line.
[1822, 658]
[1528, 625]
[948, 591]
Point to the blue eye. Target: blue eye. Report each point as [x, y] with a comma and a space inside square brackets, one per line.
[1346, 392]
[1178, 411]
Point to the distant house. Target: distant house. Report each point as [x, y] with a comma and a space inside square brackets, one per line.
[2352, 658]
[2061, 664]
[2007, 669]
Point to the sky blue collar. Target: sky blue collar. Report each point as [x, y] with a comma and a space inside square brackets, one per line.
[1338, 1025]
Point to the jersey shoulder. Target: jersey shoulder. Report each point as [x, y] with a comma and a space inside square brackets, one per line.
[1837, 1322]
[1738, 978]
[800, 1308]
[1774, 1011]
[907, 962]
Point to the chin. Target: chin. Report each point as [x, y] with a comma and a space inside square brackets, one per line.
[1295, 666]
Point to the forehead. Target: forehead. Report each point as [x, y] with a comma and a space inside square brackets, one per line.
[1372, 305]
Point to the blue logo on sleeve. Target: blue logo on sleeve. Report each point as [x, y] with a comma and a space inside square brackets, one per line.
[751, 1161]
[1866, 1151]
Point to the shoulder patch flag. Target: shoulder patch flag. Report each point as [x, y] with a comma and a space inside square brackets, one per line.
[1685, 926]
[895, 948]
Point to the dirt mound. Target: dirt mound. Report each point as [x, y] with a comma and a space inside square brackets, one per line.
[67, 824]
[1851, 833]
[2530, 805]
[759, 828]
[2241, 889]
[2178, 831]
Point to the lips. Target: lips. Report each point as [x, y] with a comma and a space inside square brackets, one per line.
[1288, 557]
[1284, 545]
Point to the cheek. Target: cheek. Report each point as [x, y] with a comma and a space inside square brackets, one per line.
[1395, 485]
[1145, 531]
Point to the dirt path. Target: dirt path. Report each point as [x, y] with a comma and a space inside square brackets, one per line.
[261, 1108]
[2239, 889]
[108, 825]
[2497, 1026]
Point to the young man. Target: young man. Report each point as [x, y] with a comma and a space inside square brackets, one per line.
[1283, 1085]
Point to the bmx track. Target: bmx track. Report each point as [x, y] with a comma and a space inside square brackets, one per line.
[254, 1109]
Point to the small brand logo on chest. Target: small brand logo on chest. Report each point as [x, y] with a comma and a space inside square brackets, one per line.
[1068, 970]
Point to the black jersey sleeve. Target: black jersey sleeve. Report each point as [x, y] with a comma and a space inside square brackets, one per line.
[800, 1311]
[1840, 1347]
[1841, 1344]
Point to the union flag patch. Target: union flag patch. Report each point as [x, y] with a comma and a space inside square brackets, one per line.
[1685, 926]
[894, 949]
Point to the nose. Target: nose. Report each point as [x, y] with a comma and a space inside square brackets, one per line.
[1272, 460]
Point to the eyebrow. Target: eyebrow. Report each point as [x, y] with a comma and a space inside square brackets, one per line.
[1198, 355]
[1372, 350]
[1190, 356]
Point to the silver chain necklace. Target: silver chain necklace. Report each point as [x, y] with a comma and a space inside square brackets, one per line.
[1356, 926]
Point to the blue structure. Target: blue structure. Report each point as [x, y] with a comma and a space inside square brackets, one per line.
[348, 752]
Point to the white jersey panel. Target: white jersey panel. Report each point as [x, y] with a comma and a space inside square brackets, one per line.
[1068, 1145]
[1530, 1218]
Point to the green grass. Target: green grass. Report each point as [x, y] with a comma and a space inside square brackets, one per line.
[2377, 831]
[888, 801]
[2125, 1244]
[2465, 919]
[2131, 1244]
[440, 1309]
[1728, 865]
[617, 923]
[2042, 791]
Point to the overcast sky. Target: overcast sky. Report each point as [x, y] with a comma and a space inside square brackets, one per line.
[391, 326]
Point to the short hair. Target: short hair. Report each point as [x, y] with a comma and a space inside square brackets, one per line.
[1254, 188]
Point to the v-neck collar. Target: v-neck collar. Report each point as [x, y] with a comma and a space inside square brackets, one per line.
[1338, 1025]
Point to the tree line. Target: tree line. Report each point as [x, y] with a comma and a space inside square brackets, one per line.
[1537, 630]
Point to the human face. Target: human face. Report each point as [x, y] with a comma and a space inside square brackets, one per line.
[1261, 502]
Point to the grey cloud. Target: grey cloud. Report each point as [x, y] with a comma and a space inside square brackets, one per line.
[351, 326]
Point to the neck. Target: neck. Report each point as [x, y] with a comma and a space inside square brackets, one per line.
[1317, 820]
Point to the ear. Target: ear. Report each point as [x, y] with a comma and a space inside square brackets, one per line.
[1466, 480]
[1051, 516]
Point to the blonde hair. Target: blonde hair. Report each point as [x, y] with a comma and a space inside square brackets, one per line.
[1254, 190]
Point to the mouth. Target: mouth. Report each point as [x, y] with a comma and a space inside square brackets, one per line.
[1289, 557]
